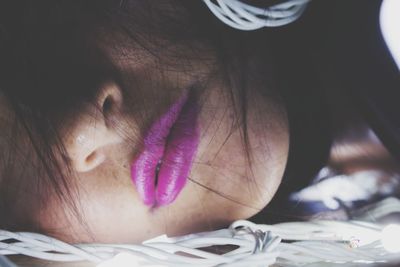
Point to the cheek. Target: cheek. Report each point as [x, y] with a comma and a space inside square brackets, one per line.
[104, 214]
[109, 210]
[121, 218]
[222, 164]
[117, 216]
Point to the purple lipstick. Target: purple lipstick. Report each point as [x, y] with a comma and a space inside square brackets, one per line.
[161, 169]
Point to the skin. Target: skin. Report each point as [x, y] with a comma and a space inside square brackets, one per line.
[221, 188]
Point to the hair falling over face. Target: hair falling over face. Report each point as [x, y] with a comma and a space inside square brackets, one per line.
[83, 82]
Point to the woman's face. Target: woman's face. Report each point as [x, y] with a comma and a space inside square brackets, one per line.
[219, 186]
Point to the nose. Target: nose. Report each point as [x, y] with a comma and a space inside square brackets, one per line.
[90, 134]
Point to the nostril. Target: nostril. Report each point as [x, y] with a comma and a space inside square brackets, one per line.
[110, 99]
[108, 105]
[110, 109]
[93, 160]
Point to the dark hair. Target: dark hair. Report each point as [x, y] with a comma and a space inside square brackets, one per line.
[337, 47]
[54, 56]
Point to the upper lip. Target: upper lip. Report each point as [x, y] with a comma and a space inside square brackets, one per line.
[167, 155]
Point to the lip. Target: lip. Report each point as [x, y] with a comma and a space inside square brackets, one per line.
[169, 149]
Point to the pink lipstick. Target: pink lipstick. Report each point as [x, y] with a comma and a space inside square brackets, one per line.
[160, 171]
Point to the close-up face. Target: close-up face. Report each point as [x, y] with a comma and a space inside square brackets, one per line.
[198, 132]
[166, 146]
[212, 184]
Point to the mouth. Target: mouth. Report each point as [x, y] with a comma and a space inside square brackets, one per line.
[160, 171]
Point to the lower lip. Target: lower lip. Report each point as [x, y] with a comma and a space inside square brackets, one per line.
[172, 140]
